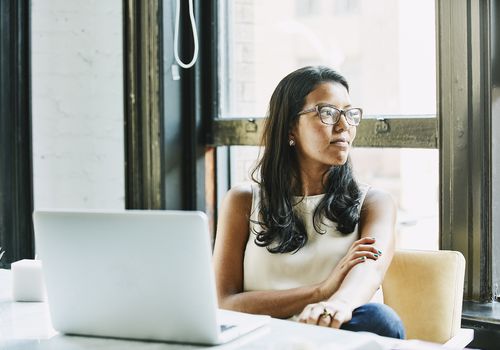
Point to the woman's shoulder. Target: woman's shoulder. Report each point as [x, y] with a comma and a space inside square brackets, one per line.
[241, 194]
[363, 187]
[377, 197]
[244, 189]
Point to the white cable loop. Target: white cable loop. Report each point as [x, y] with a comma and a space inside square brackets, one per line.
[176, 35]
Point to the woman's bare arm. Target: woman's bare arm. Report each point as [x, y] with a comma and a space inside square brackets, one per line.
[230, 244]
[378, 218]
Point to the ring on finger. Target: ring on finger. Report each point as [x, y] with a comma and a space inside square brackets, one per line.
[326, 313]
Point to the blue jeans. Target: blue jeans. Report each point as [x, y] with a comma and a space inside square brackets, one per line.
[376, 318]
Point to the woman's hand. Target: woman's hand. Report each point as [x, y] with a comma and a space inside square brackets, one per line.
[359, 251]
[332, 313]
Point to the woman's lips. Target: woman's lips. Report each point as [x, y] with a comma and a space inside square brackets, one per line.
[340, 142]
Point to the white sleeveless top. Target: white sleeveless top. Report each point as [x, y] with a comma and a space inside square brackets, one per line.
[312, 264]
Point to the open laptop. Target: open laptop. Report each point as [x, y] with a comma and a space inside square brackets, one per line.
[134, 274]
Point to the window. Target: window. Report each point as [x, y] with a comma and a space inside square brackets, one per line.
[390, 65]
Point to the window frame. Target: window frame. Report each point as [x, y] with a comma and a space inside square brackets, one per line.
[144, 185]
[464, 106]
[16, 170]
[374, 131]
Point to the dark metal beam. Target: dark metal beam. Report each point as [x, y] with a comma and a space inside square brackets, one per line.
[143, 104]
[16, 189]
[409, 132]
[465, 137]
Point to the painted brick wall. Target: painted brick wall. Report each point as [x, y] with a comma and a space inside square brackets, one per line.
[77, 104]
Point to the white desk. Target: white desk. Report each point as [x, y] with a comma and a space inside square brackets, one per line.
[27, 326]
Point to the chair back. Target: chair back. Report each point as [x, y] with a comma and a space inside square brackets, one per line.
[425, 288]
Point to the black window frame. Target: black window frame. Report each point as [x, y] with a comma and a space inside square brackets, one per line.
[16, 184]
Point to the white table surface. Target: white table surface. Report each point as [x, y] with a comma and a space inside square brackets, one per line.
[26, 325]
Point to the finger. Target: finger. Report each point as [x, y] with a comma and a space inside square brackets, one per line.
[364, 255]
[362, 241]
[304, 314]
[309, 315]
[325, 318]
[338, 319]
[353, 262]
[374, 250]
[314, 314]
[367, 248]
[365, 240]
[361, 250]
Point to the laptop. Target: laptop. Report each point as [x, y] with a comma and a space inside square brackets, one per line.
[134, 274]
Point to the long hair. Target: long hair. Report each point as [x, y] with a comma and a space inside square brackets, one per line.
[282, 230]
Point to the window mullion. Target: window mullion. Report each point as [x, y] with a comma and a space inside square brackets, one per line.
[383, 131]
[465, 139]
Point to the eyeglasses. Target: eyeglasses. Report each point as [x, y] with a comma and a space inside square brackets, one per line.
[330, 115]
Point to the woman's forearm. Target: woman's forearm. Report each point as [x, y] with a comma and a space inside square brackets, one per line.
[359, 285]
[276, 303]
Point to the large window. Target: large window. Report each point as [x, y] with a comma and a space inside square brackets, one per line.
[386, 49]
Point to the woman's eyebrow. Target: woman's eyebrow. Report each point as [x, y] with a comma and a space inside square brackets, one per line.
[331, 104]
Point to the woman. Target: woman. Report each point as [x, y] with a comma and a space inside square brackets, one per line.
[307, 241]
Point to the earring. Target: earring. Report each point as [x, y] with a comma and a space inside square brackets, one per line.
[291, 143]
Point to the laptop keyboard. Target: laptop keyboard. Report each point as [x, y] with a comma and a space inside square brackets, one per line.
[225, 327]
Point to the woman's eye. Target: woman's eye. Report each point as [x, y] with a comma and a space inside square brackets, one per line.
[327, 112]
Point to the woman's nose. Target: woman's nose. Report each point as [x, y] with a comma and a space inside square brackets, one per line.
[342, 124]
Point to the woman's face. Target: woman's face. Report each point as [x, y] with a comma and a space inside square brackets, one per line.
[319, 145]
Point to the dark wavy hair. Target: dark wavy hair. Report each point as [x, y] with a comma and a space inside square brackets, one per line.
[282, 230]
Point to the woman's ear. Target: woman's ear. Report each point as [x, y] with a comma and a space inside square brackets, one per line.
[291, 138]
[292, 132]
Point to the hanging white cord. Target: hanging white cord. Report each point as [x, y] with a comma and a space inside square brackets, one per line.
[176, 35]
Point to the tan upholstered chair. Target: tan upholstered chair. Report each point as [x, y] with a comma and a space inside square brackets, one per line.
[426, 288]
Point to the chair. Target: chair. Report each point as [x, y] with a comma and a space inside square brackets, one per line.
[425, 288]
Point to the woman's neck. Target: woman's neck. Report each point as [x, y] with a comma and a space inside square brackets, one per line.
[312, 181]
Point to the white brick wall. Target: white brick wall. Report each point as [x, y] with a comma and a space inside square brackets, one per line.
[77, 104]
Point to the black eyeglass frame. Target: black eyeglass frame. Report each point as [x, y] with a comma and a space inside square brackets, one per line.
[340, 110]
